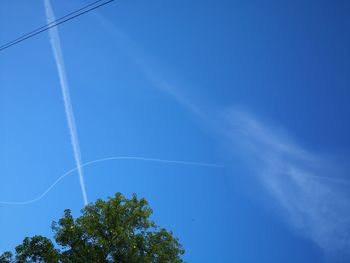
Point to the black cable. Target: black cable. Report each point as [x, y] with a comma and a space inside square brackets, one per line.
[54, 24]
[49, 24]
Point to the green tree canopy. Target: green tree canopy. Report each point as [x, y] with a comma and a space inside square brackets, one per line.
[116, 230]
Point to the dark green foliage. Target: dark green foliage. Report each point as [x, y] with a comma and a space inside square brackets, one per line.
[36, 249]
[6, 257]
[117, 230]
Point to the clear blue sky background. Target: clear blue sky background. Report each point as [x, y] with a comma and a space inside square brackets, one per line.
[261, 87]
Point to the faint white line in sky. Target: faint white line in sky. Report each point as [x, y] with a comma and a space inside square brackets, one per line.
[56, 47]
[38, 198]
[149, 67]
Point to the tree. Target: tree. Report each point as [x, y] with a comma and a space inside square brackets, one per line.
[116, 230]
[6, 257]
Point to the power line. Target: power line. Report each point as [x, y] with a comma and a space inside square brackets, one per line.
[70, 16]
[51, 23]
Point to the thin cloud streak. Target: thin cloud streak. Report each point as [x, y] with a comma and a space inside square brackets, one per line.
[149, 67]
[113, 158]
[315, 202]
[302, 182]
[57, 51]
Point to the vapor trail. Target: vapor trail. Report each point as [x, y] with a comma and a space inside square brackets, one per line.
[41, 196]
[57, 51]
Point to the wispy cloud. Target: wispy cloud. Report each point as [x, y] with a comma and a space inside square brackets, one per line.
[57, 51]
[314, 198]
[149, 67]
[309, 187]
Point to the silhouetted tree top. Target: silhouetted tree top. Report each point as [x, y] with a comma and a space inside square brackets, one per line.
[116, 230]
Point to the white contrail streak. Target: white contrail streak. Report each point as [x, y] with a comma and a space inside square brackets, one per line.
[57, 51]
[41, 196]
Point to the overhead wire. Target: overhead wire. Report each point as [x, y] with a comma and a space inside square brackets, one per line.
[51, 23]
[59, 21]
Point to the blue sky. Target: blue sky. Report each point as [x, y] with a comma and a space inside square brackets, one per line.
[260, 87]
